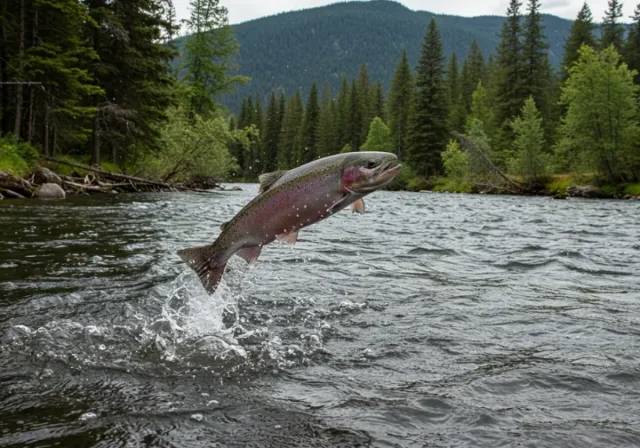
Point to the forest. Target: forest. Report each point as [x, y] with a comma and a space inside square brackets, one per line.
[109, 83]
[477, 123]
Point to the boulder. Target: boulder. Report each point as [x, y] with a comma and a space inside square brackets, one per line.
[585, 191]
[50, 191]
[46, 176]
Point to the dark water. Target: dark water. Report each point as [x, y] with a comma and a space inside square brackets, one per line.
[431, 321]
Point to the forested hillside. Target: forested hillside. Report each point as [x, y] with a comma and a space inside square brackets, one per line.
[291, 50]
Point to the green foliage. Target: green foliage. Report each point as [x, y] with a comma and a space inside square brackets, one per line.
[632, 189]
[209, 53]
[612, 29]
[600, 131]
[529, 161]
[379, 138]
[453, 186]
[193, 147]
[400, 99]
[308, 150]
[559, 184]
[346, 148]
[419, 183]
[457, 108]
[631, 49]
[456, 162]
[581, 34]
[271, 139]
[428, 132]
[16, 157]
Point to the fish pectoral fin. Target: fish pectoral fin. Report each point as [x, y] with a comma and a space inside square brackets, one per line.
[338, 204]
[268, 179]
[250, 254]
[289, 238]
[199, 259]
[223, 225]
[358, 206]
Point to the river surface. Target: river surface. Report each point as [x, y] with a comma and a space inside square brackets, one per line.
[433, 320]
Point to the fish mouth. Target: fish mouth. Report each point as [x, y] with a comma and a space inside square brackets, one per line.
[382, 176]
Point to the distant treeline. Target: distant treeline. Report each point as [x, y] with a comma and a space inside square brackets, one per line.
[529, 119]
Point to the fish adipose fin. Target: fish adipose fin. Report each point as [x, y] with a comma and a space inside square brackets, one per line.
[250, 254]
[289, 238]
[200, 260]
[358, 206]
[268, 179]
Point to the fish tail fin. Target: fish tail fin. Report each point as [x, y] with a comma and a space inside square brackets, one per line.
[204, 263]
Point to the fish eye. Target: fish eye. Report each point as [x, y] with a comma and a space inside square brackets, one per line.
[370, 165]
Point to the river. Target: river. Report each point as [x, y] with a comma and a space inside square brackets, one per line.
[433, 320]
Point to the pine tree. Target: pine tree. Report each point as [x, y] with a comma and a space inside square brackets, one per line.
[377, 101]
[536, 71]
[379, 137]
[258, 116]
[473, 71]
[631, 49]
[364, 93]
[343, 113]
[326, 140]
[309, 148]
[457, 109]
[355, 119]
[481, 110]
[287, 137]
[509, 66]
[612, 30]
[428, 133]
[208, 57]
[581, 34]
[400, 100]
[271, 138]
[530, 160]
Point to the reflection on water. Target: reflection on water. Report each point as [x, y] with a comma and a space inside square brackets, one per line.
[432, 320]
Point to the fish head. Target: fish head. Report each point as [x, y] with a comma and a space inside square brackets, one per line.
[367, 171]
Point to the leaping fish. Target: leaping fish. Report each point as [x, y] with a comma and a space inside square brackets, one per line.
[289, 201]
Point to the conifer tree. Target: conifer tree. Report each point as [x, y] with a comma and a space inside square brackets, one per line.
[400, 100]
[428, 133]
[631, 49]
[364, 93]
[379, 137]
[536, 71]
[287, 135]
[355, 119]
[326, 124]
[473, 71]
[258, 116]
[530, 160]
[377, 101]
[581, 34]
[457, 109]
[342, 114]
[271, 138]
[309, 144]
[509, 66]
[612, 30]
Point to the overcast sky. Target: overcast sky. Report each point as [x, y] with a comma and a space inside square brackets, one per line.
[243, 10]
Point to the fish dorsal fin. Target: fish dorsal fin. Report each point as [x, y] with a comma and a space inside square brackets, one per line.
[268, 179]
[224, 225]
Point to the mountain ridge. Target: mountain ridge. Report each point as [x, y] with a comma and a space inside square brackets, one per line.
[290, 50]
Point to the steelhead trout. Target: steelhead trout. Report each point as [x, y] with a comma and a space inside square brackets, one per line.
[289, 201]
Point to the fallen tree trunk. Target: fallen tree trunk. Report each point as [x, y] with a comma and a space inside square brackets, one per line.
[132, 180]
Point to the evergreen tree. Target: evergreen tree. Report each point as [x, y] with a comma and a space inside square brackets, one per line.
[509, 66]
[631, 50]
[536, 71]
[530, 160]
[428, 133]
[326, 140]
[355, 119]
[208, 55]
[457, 109]
[377, 101]
[612, 30]
[343, 113]
[290, 124]
[473, 71]
[258, 116]
[400, 100]
[309, 148]
[482, 111]
[364, 93]
[271, 138]
[581, 34]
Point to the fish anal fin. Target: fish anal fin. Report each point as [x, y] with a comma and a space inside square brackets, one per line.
[250, 254]
[358, 206]
[289, 238]
[200, 260]
[268, 179]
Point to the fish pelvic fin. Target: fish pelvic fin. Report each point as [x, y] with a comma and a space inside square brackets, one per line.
[289, 238]
[250, 254]
[200, 259]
